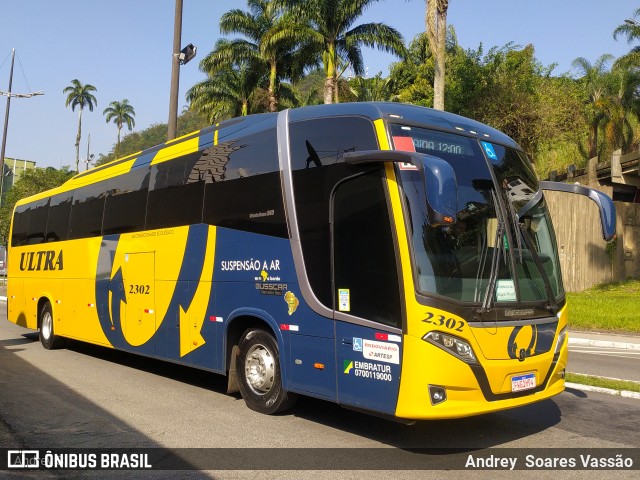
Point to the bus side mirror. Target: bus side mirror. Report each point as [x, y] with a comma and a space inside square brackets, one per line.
[604, 203]
[437, 175]
[442, 192]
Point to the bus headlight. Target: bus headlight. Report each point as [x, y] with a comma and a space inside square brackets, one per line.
[561, 338]
[454, 345]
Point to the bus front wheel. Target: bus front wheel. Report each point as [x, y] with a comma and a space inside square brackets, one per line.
[48, 339]
[259, 372]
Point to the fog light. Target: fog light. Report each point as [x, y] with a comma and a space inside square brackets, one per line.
[437, 394]
[563, 373]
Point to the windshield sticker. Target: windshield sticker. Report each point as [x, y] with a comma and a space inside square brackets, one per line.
[407, 166]
[489, 151]
[505, 291]
[344, 300]
[404, 143]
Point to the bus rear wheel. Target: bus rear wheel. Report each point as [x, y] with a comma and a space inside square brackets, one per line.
[48, 339]
[260, 375]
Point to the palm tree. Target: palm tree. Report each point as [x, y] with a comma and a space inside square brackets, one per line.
[121, 113]
[630, 29]
[259, 26]
[622, 107]
[596, 80]
[328, 26]
[228, 91]
[436, 20]
[80, 95]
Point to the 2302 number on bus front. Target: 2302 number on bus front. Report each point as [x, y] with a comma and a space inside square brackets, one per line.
[442, 321]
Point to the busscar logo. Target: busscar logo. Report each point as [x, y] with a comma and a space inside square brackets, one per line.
[42, 260]
[23, 459]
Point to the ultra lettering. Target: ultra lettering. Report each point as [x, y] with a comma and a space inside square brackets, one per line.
[41, 261]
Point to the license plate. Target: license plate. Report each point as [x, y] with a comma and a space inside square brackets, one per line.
[523, 382]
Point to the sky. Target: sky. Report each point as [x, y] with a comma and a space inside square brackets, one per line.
[124, 48]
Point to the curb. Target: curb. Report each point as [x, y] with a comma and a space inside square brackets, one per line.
[603, 343]
[608, 391]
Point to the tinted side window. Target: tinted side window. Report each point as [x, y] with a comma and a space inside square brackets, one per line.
[243, 188]
[316, 148]
[38, 222]
[87, 210]
[59, 213]
[126, 202]
[20, 225]
[173, 199]
[364, 254]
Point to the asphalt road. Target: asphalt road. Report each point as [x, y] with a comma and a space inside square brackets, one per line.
[605, 362]
[92, 397]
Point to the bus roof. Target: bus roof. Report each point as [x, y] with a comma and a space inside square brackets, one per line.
[390, 111]
[405, 113]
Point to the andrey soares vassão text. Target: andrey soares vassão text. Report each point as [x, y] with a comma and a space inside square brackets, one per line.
[581, 461]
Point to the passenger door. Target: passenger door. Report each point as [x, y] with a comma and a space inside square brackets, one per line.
[367, 295]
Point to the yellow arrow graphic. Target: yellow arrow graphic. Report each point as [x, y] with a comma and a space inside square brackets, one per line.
[191, 321]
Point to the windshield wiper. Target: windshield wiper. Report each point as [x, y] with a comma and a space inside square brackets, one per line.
[514, 218]
[495, 263]
[553, 306]
[493, 276]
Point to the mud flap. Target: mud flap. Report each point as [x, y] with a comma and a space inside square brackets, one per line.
[232, 382]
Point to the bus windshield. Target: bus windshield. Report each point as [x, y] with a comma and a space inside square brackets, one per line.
[488, 239]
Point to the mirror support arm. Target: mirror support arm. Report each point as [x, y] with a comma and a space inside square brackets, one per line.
[604, 203]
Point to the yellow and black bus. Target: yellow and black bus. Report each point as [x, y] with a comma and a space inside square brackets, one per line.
[387, 257]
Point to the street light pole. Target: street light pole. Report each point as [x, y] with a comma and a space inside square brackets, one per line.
[10, 94]
[6, 124]
[175, 73]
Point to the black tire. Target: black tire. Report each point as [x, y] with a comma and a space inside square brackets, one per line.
[47, 337]
[259, 372]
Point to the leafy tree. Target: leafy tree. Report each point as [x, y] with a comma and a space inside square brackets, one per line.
[327, 26]
[31, 182]
[510, 98]
[79, 95]
[413, 76]
[376, 89]
[121, 113]
[308, 89]
[505, 87]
